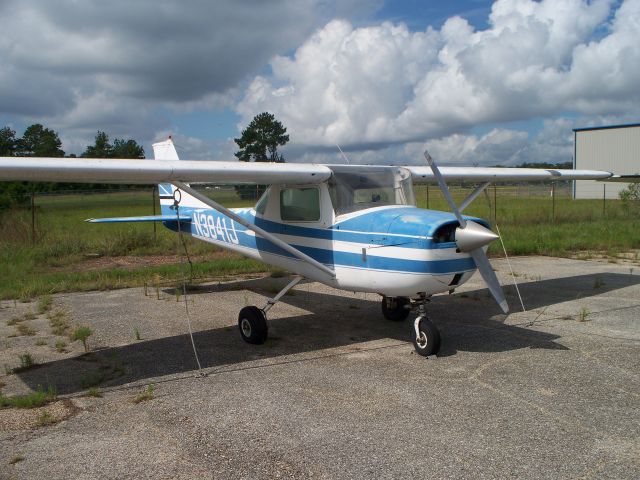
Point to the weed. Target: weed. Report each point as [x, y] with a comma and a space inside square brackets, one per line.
[146, 395]
[60, 346]
[92, 379]
[26, 361]
[178, 292]
[28, 315]
[44, 304]
[25, 330]
[32, 400]
[94, 392]
[584, 313]
[598, 282]
[82, 334]
[45, 419]
[15, 459]
[136, 334]
[41, 342]
[146, 293]
[58, 321]
[25, 295]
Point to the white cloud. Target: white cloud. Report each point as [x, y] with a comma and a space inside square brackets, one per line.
[369, 87]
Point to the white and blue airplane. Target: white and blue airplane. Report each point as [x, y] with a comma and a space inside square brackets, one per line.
[352, 227]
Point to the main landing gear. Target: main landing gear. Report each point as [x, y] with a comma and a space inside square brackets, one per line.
[252, 321]
[424, 334]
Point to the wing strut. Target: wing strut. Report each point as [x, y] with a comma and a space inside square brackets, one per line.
[264, 234]
[472, 196]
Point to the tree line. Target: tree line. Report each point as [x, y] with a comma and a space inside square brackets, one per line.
[39, 141]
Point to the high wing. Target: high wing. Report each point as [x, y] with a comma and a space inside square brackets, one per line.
[97, 170]
[497, 174]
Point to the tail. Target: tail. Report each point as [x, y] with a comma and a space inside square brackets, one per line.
[167, 151]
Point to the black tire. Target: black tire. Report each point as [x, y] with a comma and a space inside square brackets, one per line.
[252, 324]
[429, 343]
[395, 309]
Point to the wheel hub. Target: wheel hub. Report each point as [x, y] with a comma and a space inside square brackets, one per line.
[245, 326]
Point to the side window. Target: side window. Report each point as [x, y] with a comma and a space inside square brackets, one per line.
[300, 204]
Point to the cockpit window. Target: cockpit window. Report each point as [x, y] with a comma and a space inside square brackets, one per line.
[300, 204]
[366, 187]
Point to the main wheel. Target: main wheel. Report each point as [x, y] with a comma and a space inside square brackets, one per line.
[428, 343]
[253, 325]
[395, 309]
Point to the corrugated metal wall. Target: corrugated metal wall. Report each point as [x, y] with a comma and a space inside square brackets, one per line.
[616, 150]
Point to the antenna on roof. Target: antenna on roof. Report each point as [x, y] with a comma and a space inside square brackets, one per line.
[343, 155]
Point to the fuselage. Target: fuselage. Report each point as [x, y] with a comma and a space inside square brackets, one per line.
[391, 250]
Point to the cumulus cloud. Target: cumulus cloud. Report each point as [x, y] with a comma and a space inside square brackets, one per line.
[369, 87]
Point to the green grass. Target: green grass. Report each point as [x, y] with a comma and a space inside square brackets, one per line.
[64, 241]
[32, 400]
[94, 392]
[66, 244]
[528, 227]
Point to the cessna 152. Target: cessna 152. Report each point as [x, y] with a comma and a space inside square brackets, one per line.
[352, 227]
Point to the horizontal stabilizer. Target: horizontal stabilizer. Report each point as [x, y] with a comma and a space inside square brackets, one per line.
[150, 218]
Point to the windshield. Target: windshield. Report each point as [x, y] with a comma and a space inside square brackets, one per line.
[355, 188]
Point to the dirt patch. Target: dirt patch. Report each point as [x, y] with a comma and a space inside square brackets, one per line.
[132, 262]
[12, 419]
[631, 257]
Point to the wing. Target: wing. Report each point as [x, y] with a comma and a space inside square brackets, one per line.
[496, 174]
[98, 170]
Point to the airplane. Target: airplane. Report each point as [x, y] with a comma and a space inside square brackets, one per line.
[351, 227]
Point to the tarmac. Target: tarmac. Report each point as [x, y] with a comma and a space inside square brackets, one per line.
[336, 391]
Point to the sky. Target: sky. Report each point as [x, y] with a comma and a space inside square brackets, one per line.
[475, 82]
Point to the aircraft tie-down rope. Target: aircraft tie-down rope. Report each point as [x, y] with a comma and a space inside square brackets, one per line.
[184, 282]
[504, 249]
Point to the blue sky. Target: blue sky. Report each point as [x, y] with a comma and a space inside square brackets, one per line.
[476, 82]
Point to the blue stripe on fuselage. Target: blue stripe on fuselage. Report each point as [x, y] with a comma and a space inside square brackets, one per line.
[208, 223]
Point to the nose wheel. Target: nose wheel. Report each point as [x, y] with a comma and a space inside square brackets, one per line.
[424, 334]
[425, 337]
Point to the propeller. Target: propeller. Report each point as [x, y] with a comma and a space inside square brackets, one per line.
[471, 237]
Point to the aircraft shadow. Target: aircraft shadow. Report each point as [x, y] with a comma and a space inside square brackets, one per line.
[468, 322]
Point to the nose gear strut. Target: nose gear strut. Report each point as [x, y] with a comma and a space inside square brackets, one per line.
[424, 334]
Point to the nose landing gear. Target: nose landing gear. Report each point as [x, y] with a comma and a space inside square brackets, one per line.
[424, 334]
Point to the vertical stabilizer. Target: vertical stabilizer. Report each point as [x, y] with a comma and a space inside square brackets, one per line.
[165, 150]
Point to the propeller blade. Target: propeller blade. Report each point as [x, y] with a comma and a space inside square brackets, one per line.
[470, 237]
[445, 190]
[490, 278]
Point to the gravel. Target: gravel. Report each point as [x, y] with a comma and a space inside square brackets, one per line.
[337, 392]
